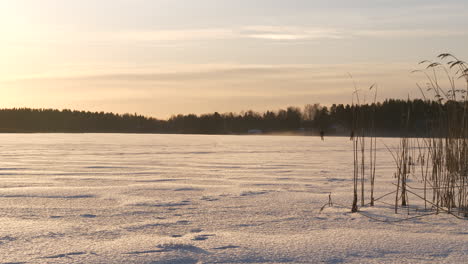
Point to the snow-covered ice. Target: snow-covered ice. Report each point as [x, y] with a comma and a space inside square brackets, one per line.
[110, 198]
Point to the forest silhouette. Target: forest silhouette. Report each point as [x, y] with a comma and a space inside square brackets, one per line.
[389, 117]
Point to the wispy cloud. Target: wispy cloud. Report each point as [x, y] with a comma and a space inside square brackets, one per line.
[183, 36]
[249, 32]
[218, 74]
[413, 33]
[290, 33]
[280, 33]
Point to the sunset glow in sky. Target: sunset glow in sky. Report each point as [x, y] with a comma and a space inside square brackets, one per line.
[162, 57]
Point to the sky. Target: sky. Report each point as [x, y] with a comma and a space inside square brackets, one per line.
[165, 57]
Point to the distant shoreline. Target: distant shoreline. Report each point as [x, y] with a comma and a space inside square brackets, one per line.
[389, 120]
[292, 134]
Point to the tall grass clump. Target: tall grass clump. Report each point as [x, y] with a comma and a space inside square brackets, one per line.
[438, 161]
[447, 146]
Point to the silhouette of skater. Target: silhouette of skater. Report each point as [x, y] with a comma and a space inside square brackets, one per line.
[322, 134]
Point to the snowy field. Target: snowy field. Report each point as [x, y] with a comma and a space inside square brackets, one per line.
[109, 198]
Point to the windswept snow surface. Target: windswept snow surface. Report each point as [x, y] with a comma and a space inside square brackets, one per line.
[110, 198]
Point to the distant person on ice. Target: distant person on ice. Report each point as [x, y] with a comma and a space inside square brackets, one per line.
[322, 134]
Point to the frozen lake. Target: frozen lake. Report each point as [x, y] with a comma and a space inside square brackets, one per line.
[114, 198]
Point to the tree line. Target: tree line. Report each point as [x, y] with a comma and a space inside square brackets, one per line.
[390, 116]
